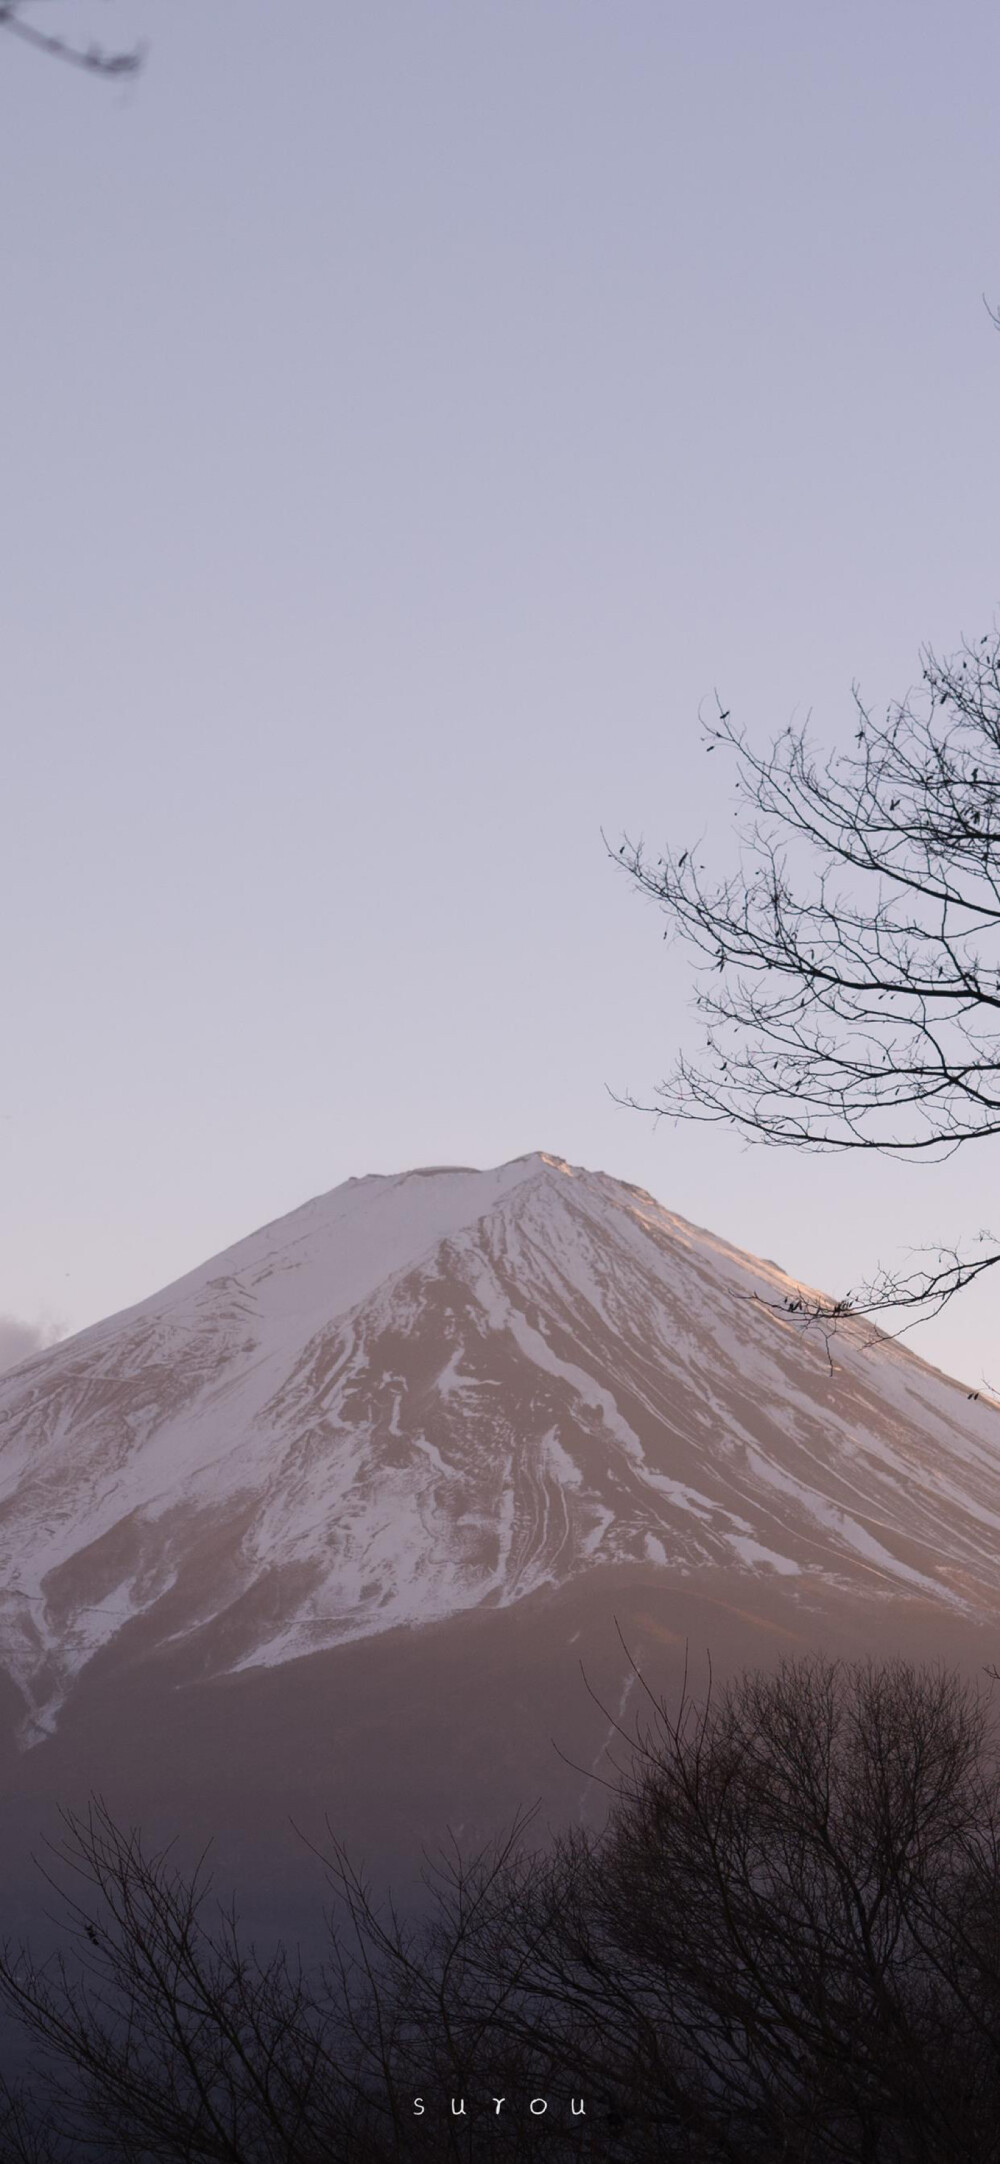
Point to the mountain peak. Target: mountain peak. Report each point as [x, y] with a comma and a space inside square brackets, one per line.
[448, 1388]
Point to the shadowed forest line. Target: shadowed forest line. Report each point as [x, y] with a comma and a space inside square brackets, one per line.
[785, 1944]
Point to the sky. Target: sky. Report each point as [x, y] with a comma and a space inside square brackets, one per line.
[412, 412]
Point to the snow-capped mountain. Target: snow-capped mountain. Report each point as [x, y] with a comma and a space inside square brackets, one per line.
[443, 1391]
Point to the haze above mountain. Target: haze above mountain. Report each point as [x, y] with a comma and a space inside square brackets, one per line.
[449, 1389]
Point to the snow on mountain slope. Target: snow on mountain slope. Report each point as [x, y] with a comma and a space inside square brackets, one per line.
[422, 1393]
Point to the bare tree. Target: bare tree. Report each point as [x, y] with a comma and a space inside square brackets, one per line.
[162, 2036]
[17, 16]
[784, 1946]
[159, 2034]
[802, 1891]
[851, 962]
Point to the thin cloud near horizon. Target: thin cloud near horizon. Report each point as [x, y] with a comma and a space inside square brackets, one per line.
[19, 1340]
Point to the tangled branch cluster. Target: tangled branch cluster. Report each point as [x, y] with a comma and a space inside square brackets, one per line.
[850, 966]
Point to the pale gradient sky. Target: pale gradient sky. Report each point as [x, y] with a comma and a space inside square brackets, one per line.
[410, 413]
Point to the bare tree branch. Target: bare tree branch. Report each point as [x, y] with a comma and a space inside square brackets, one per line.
[849, 967]
[94, 59]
